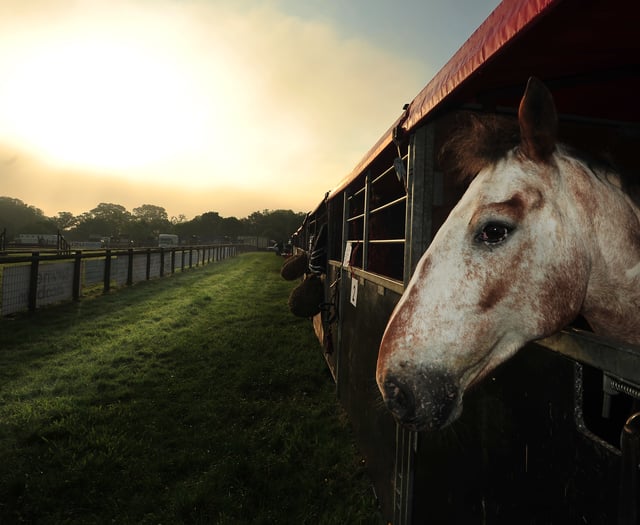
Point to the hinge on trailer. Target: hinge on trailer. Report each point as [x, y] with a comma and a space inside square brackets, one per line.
[612, 386]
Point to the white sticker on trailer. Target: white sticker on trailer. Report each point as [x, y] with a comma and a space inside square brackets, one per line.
[346, 261]
[354, 291]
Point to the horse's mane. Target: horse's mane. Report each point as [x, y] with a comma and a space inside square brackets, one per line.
[477, 140]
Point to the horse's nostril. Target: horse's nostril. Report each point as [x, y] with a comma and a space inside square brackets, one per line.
[399, 399]
[422, 401]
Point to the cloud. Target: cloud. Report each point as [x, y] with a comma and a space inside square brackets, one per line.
[279, 108]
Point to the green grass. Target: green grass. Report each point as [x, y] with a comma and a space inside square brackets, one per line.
[193, 399]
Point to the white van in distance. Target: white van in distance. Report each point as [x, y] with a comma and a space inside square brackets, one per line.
[168, 240]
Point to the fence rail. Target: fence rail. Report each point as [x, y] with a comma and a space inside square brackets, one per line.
[28, 282]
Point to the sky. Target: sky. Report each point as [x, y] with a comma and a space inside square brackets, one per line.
[231, 106]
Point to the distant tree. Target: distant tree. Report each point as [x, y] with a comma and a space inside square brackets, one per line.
[105, 219]
[210, 224]
[179, 219]
[151, 214]
[89, 226]
[149, 222]
[253, 223]
[210, 227]
[232, 227]
[278, 225]
[17, 217]
[203, 228]
[65, 220]
[146, 221]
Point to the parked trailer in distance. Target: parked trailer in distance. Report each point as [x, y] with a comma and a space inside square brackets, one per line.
[168, 240]
[36, 239]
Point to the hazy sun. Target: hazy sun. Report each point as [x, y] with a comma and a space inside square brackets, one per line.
[103, 101]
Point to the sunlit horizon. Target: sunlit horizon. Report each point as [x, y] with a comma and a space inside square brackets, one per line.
[192, 105]
[118, 98]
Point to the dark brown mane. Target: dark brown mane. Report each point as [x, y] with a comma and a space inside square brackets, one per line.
[604, 164]
[476, 141]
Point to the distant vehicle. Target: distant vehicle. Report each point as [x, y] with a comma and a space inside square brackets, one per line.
[168, 240]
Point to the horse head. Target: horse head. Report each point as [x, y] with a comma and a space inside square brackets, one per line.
[511, 264]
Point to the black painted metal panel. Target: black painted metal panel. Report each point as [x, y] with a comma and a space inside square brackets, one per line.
[517, 455]
[375, 429]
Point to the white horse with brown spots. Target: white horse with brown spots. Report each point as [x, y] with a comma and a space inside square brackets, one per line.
[539, 237]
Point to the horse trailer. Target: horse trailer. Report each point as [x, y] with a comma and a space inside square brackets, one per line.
[549, 436]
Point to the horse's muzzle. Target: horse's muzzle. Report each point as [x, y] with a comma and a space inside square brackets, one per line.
[422, 401]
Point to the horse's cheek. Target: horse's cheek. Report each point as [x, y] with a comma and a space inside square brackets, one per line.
[562, 297]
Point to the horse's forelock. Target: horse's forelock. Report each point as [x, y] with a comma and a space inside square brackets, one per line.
[475, 142]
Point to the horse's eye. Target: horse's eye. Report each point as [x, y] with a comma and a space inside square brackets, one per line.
[493, 233]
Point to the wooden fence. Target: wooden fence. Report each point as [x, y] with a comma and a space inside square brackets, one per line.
[31, 281]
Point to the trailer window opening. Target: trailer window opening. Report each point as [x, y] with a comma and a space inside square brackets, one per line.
[375, 221]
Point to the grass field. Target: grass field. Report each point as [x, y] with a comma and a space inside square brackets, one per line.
[193, 399]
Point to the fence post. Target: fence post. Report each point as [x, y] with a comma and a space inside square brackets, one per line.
[33, 281]
[77, 266]
[161, 262]
[62, 245]
[148, 263]
[173, 261]
[130, 267]
[190, 257]
[107, 271]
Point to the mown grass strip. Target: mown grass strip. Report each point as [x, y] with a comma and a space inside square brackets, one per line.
[195, 399]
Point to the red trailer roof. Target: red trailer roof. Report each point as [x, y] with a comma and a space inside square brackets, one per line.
[586, 51]
[508, 20]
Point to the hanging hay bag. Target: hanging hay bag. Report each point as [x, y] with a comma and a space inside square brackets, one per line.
[305, 299]
[295, 267]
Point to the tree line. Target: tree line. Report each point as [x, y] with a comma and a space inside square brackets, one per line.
[141, 226]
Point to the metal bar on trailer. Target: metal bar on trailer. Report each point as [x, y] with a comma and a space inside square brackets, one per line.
[406, 442]
[421, 179]
[389, 204]
[390, 169]
[365, 226]
[385, 282]
[355, 193]
[386, 241]
[615, 358]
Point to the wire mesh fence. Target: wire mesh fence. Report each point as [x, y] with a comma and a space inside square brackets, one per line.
[28, 282]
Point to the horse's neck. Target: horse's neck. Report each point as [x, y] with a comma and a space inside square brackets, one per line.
[612, 305]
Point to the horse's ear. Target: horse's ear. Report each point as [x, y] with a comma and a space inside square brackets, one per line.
[538, 121]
